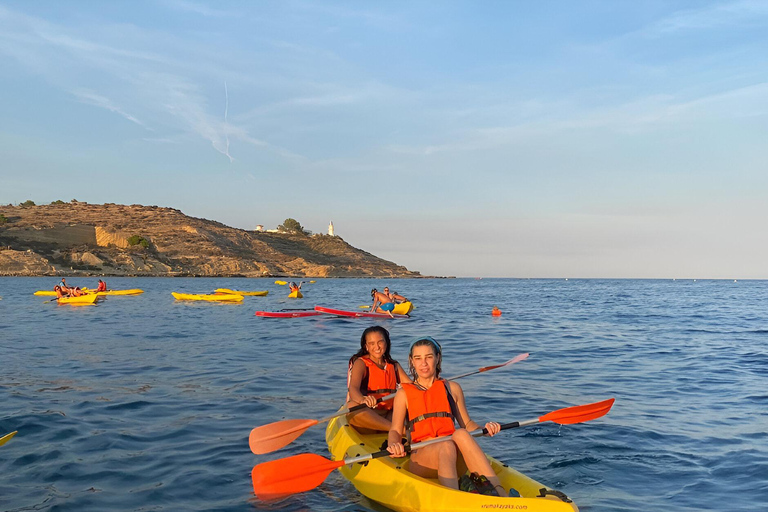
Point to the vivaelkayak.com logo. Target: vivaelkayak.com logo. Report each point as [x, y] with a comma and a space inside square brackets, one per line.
[505, 506]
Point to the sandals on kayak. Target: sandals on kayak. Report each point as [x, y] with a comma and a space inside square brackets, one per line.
[477, 484]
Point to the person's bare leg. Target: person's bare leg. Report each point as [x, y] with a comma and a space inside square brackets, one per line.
[476, 460]
[370, 419]
[438, 458]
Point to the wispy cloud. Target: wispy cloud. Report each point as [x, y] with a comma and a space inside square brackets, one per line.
[91, 98]
[641, 114]
[160, 140]
[377, 18]
[327, 95]
[198, 8]
[169, 93]
[184, 101]
[743, 13]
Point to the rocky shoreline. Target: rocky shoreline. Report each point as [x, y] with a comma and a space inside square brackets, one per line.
[84, 239]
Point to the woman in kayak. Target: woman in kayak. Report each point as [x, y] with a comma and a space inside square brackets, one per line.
[394, 296]
[373, 374]
[429, 406]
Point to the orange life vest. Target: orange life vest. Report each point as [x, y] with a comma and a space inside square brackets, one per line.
[429, 411]
[379, 383]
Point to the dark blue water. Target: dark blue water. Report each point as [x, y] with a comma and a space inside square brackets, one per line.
[145, 403]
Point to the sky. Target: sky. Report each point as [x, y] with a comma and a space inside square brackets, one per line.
[593, 139]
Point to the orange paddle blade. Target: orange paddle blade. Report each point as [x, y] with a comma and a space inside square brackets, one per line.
[517, 359]
[271, 437]
[282, 477]
[579, 413]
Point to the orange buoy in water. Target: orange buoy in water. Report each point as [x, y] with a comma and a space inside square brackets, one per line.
[496, 311]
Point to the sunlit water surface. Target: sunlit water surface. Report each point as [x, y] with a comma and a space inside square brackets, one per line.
[145, 403]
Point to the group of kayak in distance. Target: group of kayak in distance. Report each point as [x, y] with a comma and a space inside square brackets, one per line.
[63, 290]
[424, 407]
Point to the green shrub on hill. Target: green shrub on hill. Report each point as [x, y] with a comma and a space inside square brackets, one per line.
[28, 202]
[58, 201]
[138, 240]
[292, 226]
[3, 219]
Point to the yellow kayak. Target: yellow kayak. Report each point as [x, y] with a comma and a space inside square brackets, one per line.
[388, 481]
[281, 283]
[82, 300]
[209, 297]
[400, 309]
[238, 292]
[295, 295]
[403, 308]
[134, 291]
[51, 293]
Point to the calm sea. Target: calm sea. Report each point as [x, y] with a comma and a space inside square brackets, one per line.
[145, 403]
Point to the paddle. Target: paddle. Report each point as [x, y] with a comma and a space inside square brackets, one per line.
[299, 473]
[273, 436]
[7, 437]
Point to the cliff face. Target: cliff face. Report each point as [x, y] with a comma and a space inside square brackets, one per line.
[88, 239]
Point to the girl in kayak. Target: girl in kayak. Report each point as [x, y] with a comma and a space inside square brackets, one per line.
[429, 406]
[373, 374]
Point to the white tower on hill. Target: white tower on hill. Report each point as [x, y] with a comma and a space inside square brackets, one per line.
[330, 229]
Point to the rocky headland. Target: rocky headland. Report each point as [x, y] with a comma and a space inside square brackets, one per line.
[78, 238]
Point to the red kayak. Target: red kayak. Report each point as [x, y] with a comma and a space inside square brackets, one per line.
[286, 314]
[354, 314]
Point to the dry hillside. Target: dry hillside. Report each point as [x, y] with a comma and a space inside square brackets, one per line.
[102, 239]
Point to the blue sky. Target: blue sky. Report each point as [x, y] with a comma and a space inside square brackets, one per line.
[508, 139]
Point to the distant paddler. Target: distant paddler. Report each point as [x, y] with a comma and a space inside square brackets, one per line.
[394, 296]
[295, 290]
[64, 291]
[102, 286]
[383, 301]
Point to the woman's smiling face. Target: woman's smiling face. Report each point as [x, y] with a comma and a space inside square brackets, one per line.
[376, 345]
